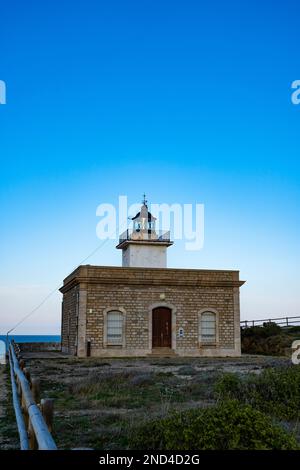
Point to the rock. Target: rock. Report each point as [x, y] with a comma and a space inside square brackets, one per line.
[186, 370]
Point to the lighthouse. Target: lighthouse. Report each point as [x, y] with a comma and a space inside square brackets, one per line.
[142, 245]
[143, 308]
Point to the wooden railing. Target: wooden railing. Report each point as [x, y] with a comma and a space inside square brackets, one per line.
[34, 417]
[283, 322]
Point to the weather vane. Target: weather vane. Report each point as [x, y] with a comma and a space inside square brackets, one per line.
[144, 199]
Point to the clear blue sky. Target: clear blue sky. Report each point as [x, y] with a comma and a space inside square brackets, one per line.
[188, 101]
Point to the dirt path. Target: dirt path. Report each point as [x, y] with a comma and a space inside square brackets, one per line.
[8, 431]
[3, 401]
[3, 390]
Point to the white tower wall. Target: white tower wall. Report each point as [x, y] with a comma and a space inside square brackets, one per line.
[144, 255]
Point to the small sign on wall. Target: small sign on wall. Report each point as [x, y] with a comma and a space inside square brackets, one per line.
[181, 332]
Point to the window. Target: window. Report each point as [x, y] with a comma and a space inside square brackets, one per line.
[115, 328]
[208, 327]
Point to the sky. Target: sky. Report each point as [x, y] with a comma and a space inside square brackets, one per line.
[188, 101]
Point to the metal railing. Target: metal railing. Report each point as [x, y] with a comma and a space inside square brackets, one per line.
[34, 420]
[150, 235]
[282, 321]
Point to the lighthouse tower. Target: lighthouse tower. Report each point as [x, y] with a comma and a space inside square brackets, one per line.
[143, 246]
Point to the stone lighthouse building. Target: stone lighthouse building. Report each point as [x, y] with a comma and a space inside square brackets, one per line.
[144, 308]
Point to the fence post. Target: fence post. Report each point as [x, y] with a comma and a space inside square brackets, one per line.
[27, 373]
[32, 439]
[35, 388]
[47, 409]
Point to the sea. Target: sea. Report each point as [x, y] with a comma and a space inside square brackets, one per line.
[32, 338]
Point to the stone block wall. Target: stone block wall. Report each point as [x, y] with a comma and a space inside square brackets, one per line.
[90, 292]
[40, 346]
[69, 321]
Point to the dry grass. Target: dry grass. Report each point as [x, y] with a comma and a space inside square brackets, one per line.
[98, 403]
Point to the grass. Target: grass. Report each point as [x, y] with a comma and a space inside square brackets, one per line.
[98, 407]
[100, 404]
[128, 390]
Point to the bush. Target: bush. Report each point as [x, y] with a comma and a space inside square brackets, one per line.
[229, 425]
[292, 329]
[229, 386]
[268, 339]
[268, 329]
[274, 391]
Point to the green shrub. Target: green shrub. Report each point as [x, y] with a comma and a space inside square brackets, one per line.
[229, 387]
[273, 346]
[274, 391]
[269, 339]
[264, 331]
[229, 425]
[292, 330]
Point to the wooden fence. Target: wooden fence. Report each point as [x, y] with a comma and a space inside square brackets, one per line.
[34, 417]
[283, 322]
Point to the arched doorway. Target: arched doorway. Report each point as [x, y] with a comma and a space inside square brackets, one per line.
[161, 327]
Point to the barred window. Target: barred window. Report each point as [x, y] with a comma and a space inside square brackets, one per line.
[115, 328]
[208, 327]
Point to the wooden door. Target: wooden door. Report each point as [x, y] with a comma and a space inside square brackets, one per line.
[161, 328]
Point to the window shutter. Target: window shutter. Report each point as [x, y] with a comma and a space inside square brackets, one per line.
[208, 327]
[115, 328]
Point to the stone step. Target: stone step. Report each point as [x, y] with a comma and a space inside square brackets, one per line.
[162, 352]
